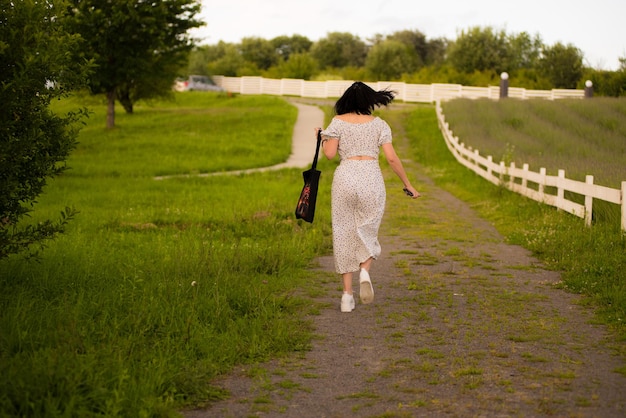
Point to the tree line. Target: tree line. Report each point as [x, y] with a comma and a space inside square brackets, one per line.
[477, 57]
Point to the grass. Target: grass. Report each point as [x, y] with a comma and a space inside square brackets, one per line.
[159, 285]
[592, 260]
[196, 133]
[580, 136]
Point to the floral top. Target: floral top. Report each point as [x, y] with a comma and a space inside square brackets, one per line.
[359, 138]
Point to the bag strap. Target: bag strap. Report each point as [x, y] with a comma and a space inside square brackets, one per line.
[317, 149]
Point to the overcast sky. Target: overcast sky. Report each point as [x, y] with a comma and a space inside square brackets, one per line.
[597, 27]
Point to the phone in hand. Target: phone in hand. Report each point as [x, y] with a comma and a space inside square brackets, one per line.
[407, 192]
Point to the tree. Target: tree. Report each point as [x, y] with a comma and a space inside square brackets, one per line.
[339, 50]
[429, 52]
[524, 51]
[138, 46]
[35, 68]
[299, 65]
[287, 45]
[199, 59]
[480, 49]
[229, 61]
[414, 39]
[259, 51]
[562, 65]
[390, 59]
[436, 51]
[606, 83]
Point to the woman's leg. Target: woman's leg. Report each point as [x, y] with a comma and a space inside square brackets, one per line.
[347, 299]
[366, 292]
[347, 283]
[367, 264]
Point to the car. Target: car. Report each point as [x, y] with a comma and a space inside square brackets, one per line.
[196, 83]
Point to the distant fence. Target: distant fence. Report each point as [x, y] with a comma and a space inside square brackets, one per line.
[424, 93]
[532, 184]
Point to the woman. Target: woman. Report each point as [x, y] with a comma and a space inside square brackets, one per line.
[358, 190]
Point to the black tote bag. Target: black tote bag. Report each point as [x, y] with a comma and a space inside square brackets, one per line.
[305, 209]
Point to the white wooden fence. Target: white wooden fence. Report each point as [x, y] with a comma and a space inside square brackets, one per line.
[520, 180]
[426, 93]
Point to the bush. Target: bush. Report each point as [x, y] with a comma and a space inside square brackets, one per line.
[36, 68]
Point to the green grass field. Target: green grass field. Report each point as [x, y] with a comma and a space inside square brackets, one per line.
[159, 285]
[579, 136]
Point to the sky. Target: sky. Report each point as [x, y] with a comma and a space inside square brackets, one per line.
[597, 28]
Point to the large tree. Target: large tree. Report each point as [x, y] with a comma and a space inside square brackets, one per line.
[299, 65]
[429, 51]
[389, 59]
[480, 49]
[524, 51]
[562, 65]
[415, 39]
[287, 45]
[339, 49]
[35, 68]
[260, 52]
[139, 46]
[226, 59]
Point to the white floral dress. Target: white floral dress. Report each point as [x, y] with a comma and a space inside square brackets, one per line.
[358, 192]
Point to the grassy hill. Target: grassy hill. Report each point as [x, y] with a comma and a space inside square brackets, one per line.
[580, 136]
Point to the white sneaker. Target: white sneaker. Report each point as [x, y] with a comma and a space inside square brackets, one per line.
[347, 302]
[367, 291]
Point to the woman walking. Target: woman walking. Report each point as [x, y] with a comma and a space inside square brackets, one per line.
[358, 190]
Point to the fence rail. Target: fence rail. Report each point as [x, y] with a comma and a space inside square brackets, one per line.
[534, 185]
[425, 93]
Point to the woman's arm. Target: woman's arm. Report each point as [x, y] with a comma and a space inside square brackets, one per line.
[398, 168]
[329, 146]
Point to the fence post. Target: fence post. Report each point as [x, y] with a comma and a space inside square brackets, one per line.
[511, 177]
[504, 85]
[588, 89]
[624, 206]
[588, 201]
[560, 192]
[542, 183]
[525, 178]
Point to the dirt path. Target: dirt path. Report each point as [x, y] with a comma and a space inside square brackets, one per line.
[463, 324]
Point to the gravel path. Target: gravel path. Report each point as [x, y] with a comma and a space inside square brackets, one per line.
[463, 325]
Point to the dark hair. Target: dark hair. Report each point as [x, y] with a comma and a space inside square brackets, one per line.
[362, 99]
